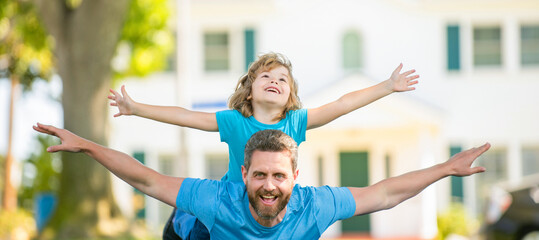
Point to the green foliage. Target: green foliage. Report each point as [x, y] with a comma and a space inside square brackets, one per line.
[146, 41]
[25, 48]
[16, 225]
[41, 172]
[455, 221]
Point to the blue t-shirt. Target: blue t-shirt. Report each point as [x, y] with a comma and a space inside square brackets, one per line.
[224, 208]
[235, 130]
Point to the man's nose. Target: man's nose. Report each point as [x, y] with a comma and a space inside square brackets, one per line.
[268, 185]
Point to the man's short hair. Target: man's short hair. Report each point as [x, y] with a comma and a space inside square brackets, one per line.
[271, 140]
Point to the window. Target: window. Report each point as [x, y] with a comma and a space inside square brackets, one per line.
[216, 51]
[351, 51]
[216, 166]
[529, 45]
[457, 185]
[487, 46]
[139, 203]
[495, 160]
[453, 47]
[530, 160]
[387, 161]
[249, 36]
[166, 164]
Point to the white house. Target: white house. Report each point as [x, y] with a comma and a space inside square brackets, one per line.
[479, 67]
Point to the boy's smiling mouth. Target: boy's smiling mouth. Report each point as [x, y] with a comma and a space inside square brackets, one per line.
[272, 89]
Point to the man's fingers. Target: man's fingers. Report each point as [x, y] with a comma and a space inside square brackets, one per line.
[482, 149]
[43, 128]
[478, 170]
[55, 148]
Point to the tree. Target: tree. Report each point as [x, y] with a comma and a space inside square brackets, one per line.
[24, 56]
[86, 35]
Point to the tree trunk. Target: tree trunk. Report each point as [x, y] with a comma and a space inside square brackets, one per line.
[86, 39]
[9, 202]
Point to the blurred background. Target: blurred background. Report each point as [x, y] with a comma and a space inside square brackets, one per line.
[478, 63]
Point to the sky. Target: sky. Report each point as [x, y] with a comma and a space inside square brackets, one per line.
[34, 106]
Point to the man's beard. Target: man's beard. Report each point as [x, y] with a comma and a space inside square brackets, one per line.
[266, 212]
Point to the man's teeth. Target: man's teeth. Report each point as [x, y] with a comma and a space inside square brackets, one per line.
[268, 197]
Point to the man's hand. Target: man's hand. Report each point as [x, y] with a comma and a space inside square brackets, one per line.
[122, 101]
[460, 164]
[70, 141]
[401, 82]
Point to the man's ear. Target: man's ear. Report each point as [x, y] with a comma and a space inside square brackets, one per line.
[296, 173]
[244, 174]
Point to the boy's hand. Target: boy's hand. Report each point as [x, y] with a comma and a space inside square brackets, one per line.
[401, 82]
[124, 103]
[70, 141]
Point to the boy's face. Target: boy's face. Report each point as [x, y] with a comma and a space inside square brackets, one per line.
[271, 86]
[269, 183]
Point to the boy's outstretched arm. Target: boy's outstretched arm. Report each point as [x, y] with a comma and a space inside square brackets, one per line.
[167, 114]
[148, 181]
[398, 82]
[392, 191]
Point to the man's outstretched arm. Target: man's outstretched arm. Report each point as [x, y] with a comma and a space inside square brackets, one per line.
[392, 191]
[148, 181]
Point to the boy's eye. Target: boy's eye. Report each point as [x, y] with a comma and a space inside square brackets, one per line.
[282, 79]
[265, 76]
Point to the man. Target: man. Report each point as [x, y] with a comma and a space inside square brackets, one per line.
[270, 205]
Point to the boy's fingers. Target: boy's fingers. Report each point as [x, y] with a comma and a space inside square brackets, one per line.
[123, 90]
[409, 72]
[398, 69]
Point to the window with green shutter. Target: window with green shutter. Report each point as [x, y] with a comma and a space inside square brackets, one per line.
[453, 48]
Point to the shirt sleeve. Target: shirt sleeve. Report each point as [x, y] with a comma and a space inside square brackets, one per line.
[226, 121]
[198, 197]
[298, 119]
[334, 203]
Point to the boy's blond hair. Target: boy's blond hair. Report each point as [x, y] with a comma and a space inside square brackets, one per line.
[240, 99]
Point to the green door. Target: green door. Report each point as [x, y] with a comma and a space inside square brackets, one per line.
[355, 173]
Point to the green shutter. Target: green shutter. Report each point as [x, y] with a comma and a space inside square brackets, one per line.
[457, 186]
[249, 35]
[453, 47]
[140, 212]
[355, 173]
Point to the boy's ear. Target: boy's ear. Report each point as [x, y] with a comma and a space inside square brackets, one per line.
[249, 97]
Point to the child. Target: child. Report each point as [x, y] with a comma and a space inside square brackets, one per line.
[265, 98]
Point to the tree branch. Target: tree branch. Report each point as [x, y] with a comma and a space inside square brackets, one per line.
[52, 13]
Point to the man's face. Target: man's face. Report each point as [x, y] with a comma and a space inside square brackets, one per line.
[269, 182]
